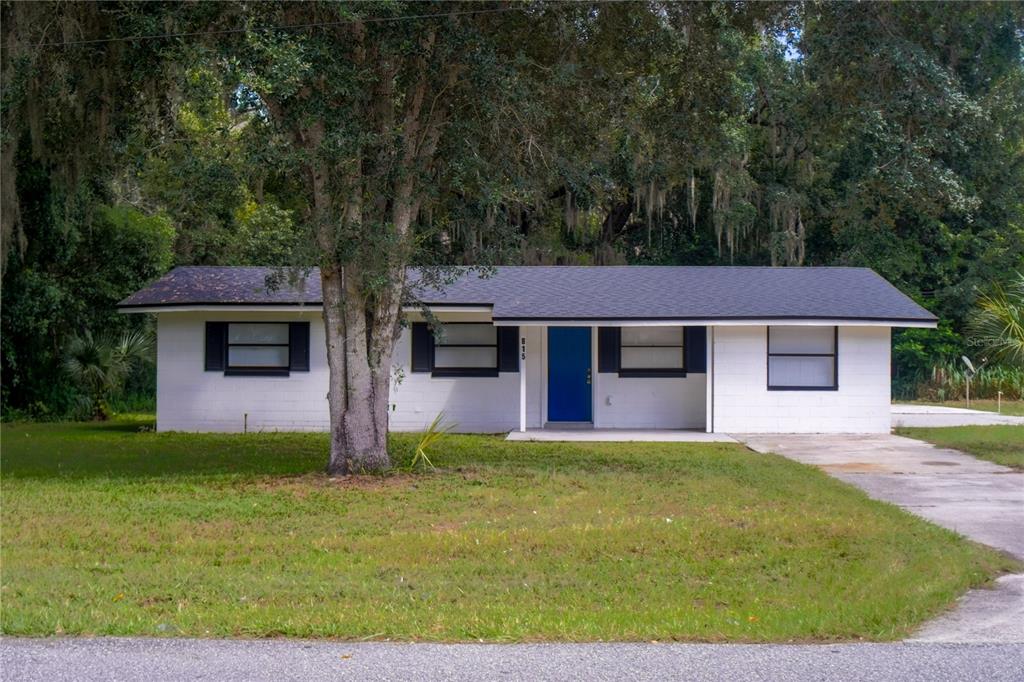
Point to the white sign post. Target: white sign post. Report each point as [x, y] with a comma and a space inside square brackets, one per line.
[522, 384]
[969, 374]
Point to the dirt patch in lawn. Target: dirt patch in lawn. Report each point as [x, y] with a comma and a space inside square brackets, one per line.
[305, 483]
[860, 468]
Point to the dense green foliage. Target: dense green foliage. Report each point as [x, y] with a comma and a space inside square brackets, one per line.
[998, 324]
[928, 364]
[109, 530]
[99, 366]
[877, 134]
[67, 283]
[948, 381]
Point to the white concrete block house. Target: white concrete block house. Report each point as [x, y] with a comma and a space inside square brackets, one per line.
[716, 349]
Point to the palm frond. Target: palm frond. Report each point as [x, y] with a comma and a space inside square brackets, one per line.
[998, 324]
[99, 365]
[435, 432]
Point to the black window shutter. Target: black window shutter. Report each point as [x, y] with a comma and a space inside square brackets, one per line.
[696, 345]
[508, 349]
[608, 341]
[422, 348]
[298, 346]
[216, 346]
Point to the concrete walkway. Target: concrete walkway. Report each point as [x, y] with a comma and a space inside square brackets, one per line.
[152, 660]
[981, 500]
[620, 435]
[936, 415]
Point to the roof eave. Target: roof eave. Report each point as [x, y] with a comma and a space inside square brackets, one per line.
[734, 321]
[612, 321]
[201, 306]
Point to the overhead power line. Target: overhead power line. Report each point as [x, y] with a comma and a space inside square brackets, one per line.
[290, 27]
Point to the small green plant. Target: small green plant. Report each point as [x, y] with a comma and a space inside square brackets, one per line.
[435, 432]
[99, 365]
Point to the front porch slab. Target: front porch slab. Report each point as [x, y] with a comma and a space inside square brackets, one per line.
[620, 435]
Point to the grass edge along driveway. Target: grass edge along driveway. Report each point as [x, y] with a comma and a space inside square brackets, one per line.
[1013, 408]
[111, 531]
[999, 443]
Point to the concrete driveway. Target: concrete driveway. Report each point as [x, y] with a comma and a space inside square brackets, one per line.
[978, 499]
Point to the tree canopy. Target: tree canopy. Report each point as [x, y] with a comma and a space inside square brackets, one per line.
[361, 137]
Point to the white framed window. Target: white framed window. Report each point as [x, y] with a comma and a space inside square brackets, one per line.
[466, 349]
[802, 358]
[652, 352]
[258, 347]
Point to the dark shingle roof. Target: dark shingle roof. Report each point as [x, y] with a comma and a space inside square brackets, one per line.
[223, 285]
[590, 293]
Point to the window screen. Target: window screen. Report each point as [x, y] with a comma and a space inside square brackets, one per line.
[651, 351]
[802, 358]
[466, 350]
[257, 346]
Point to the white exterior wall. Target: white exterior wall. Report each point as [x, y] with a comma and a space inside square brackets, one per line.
[649, 403]
[742, 403]
[491, 405]
[629, 402]
[191, 399]
[473, 404]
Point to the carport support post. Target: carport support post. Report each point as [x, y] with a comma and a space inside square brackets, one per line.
[709, 382]
[522, 384]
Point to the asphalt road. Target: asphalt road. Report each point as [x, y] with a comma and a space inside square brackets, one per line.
[153, 660]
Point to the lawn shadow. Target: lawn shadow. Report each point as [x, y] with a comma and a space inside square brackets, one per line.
[124, 426]
[130, 449]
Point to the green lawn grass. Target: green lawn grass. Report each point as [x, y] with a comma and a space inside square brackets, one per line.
[108, 530]
[1002, 444]
[1009, 407]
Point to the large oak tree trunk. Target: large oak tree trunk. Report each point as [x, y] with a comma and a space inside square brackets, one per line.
[362, 324]
[359, 380]
[358, 388]
[359, 435]
[362, 316]
[334, 328]
[363, 434]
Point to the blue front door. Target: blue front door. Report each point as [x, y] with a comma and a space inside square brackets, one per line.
[569, 374]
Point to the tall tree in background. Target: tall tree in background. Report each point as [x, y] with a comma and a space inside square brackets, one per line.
[362, 137]
[919, 122]
[70, 102]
